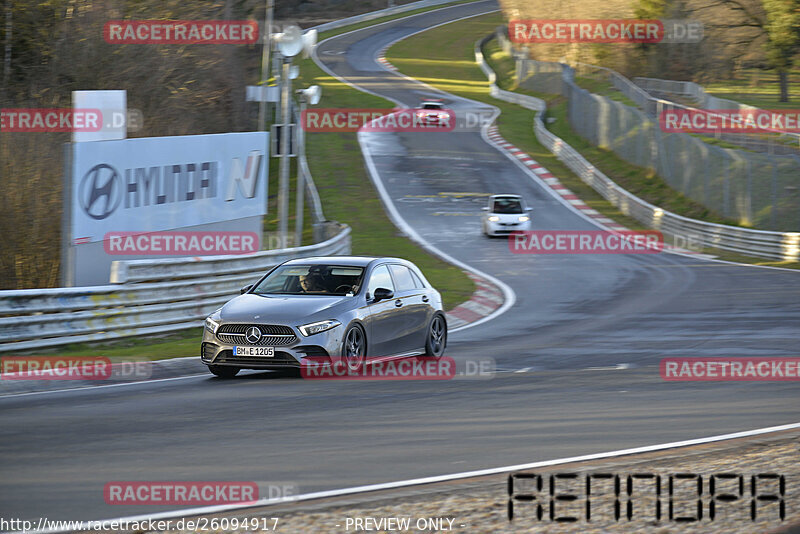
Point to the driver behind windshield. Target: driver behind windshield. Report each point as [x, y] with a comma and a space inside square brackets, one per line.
[312, 283]
[507, 205]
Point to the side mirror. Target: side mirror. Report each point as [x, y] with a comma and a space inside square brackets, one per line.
[382, 294]
[485, 208]
[528, 210]
[245, 289]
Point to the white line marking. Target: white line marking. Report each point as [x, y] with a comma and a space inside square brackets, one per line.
[618, 367]
[140, 382]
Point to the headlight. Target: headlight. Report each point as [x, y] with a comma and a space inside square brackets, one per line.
[524, 218]
[211, 325]
[315, 328]
[494, 218]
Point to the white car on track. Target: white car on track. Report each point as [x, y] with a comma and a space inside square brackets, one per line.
[432, 112]
[506, 214]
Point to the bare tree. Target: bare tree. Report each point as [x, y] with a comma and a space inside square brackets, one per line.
[9, 34]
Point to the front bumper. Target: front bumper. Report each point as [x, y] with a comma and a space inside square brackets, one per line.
[215, 351]
[500, 228]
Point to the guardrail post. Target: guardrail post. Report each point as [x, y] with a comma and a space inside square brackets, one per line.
[773, 214]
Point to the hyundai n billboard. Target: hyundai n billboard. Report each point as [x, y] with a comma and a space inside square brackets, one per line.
[203, 182]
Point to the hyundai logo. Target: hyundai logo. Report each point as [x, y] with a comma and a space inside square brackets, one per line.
[253, 335]
[101, 191]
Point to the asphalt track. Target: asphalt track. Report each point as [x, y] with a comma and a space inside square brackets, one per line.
[575, 320]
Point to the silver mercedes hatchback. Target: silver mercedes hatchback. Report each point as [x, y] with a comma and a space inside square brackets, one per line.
[346, 307]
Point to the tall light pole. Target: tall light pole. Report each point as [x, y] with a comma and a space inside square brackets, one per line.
[290, 43]
[306, 96]
[283, 180]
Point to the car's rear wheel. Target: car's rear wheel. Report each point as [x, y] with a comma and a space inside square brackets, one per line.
[437, 337]
[224, 371]
[354, 348]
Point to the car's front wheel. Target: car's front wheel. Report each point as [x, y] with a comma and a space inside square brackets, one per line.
[437, 337]
[354, 348]
[224, 371]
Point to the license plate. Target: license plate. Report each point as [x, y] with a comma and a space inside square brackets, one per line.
[267, 352]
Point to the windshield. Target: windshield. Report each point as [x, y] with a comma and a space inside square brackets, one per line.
[507, 205]
[311, 280]
[432, 106]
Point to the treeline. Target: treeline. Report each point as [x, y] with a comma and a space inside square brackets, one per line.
[738, 35]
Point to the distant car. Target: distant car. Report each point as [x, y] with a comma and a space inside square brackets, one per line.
[506, 214]
[432, 112]
[344, 307]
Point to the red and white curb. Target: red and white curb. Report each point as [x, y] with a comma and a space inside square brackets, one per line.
[484, 301]
[381, 57]
[571, 198]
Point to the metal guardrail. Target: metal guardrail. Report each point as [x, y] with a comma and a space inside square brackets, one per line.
[784, 246]
[690, 89]
[529, 102]
[186, 291]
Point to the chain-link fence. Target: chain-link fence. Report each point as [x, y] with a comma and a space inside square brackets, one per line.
[758, 189]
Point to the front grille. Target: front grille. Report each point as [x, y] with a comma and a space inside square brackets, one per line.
[272, 335]
[280, 359]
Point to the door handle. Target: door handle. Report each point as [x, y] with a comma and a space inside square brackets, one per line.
[398, 303]
[425, 298]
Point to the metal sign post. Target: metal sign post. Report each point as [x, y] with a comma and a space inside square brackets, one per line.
[283, 180]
